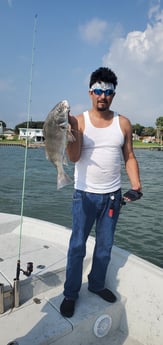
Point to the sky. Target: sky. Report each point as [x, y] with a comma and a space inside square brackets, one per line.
[49, 48]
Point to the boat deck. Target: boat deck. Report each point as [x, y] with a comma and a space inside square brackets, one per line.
[43, 324]
[37, 320]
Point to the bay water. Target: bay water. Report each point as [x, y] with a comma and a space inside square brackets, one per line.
[140, 225]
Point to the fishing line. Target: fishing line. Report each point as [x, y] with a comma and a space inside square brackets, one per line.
[26, 140]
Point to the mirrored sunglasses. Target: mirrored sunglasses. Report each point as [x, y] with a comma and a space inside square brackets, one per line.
[99, 92]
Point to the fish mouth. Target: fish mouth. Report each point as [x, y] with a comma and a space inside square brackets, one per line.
[66, 103]
[66, 106]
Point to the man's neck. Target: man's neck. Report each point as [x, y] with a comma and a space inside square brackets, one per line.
[101, 118]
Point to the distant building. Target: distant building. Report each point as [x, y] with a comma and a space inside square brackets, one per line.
[32, 134]
[1, 127]
[135, 136]
[149, 139]
[9, 134]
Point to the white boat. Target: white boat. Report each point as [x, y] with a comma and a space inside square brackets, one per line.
[29, 306]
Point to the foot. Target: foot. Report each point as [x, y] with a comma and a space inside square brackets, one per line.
[67, 307]
[106, 294]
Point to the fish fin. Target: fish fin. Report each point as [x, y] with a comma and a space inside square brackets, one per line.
[63, 180]
[70, 137]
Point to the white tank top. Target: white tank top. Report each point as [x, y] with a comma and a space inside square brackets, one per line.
[99, 168]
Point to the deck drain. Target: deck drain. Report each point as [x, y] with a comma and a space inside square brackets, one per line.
[37, 300]
[102, 325]
[1, 260]
[41, 267]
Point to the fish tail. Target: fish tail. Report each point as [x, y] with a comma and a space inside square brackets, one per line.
[63, 180]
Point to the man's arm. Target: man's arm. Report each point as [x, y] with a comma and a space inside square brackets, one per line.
[74, 148]
[131, 163]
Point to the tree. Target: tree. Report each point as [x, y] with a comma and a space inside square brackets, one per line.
[137, 129]
[32, 124]
[3, 124]
[159, 125]
[159, 122]
[149, 131]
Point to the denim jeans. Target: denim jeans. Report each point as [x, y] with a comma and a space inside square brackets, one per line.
[87, 209]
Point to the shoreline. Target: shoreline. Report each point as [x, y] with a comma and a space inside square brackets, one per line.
[41, 144]
[22, 144]
[152, 148]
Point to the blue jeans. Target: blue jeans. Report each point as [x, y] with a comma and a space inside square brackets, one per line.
[87, 209]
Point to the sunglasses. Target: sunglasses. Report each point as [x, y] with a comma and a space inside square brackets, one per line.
[99, 92]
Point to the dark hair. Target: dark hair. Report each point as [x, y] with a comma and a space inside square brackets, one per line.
[103, 74]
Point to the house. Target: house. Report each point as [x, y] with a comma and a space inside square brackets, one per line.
[1, 127]
[149, 139]
[135, 136]
[32, 134]
[9, 134]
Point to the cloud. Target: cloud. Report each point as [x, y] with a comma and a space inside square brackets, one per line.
[154, 10]
[138, 62]
[94, 30]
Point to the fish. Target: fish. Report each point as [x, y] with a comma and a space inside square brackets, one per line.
[57, 133]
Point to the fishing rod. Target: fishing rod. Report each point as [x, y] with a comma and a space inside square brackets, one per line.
[29, 269]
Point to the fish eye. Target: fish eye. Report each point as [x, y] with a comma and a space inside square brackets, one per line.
[62, 126]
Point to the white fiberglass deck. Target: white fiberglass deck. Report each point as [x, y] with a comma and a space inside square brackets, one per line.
[137, 316]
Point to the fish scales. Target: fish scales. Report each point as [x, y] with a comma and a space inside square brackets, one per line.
[56, 131]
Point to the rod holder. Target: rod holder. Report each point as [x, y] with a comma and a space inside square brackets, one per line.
[17, 270]
[1, 298]
[16, 293]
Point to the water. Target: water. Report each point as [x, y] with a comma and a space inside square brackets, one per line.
[140, 225]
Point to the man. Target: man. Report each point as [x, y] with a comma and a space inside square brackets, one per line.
[102, 136]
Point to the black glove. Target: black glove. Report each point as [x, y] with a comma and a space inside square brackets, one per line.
[133, 195]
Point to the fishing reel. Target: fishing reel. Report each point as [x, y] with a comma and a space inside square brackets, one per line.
[28, 271]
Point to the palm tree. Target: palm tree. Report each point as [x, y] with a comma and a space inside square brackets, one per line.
[159, 126]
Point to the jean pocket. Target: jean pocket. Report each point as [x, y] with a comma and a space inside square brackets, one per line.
[77, 195]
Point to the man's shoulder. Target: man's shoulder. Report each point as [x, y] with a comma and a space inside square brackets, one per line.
[124, 120]
[123, 117]
[125, 124]
[80, 119]
[78, 116]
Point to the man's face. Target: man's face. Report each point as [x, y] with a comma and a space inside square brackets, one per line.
[102, 101]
